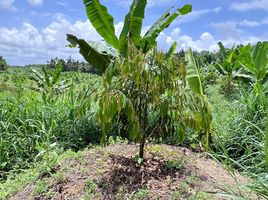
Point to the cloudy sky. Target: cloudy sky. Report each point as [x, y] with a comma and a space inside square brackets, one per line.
[33, 31]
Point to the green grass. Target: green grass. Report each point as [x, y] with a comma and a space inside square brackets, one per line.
[28, 124]
[239, 128]
[17, 181]
[225, 112]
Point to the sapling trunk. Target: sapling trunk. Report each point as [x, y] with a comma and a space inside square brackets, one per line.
[142, 145]
[144, 123]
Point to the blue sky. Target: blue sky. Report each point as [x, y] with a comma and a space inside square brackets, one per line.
[33, 31]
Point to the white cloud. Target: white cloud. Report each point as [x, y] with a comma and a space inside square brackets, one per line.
[35, 2]
[228, 29]
[251, 23]
[196, 14]
[231, 34]
[7, 4]
[150, 3]
[205, 42]
[27, 44]
[250, 5]
[64, 4]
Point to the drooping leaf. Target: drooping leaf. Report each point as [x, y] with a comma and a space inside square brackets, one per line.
[104, 49]
[149, 39]
[102, 21]
[132, 25]
[95, 58]
[192, 73]
[242, 76]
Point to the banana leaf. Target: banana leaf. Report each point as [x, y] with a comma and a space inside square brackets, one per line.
[102, 21]
[192, 73]
[171, 52]
[149, 39]
[132, 25]
[260, 56]
[98, 60]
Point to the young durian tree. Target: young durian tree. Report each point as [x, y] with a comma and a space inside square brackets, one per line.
[147, 94]
[99, 55]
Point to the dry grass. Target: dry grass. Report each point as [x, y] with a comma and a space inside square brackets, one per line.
[168, 172]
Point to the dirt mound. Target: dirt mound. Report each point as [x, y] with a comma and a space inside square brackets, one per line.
[167, 172]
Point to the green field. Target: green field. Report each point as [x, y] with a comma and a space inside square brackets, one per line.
[162, 115]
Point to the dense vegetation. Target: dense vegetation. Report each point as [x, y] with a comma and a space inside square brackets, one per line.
[3, 64]
[72, 65]
[214, 102]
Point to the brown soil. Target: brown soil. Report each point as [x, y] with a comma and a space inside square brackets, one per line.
[168, 172]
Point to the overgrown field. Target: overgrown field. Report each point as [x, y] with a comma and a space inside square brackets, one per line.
[35, 115]
[205, 105]
[40, 121]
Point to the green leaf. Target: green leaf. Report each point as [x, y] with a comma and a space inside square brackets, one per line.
[241, 76]
[261, 59]
[104, 49]
[56, 74]
[222, 50]
[46, 76]
[92, 56]
[266, 141]
[140, 161]
[132, 25]
[149, 40]
[180, 133]
[171, 52]
[109, 73]
[192, 73]
[102, 21]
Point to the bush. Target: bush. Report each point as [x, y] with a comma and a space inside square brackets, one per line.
[3, 64]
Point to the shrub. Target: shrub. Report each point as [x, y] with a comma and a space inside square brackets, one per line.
[3, 64]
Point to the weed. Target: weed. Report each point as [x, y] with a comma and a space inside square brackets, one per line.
[41, 189]
[16, 182]
[176, 163]
[90, 190]
[142, 194]
[155, 149]
[59, 177]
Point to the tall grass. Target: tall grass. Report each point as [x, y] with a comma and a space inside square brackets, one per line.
[240, 135]
[27, 123]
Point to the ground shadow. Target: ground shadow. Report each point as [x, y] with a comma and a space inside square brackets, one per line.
[127, 174]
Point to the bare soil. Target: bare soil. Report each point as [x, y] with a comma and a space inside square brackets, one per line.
[168, 172]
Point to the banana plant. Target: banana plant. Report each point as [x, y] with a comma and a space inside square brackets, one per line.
[204, 115]
[255, 60]
[115, 46]
[229, 67]
[49, 84]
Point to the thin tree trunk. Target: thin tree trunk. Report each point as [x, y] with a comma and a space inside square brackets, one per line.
[142, 145]
[144, 125]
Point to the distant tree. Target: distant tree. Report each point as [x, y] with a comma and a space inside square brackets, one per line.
[3, 64]
[72, 65]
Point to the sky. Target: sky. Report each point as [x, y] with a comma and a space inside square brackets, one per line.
[33, 31]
